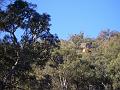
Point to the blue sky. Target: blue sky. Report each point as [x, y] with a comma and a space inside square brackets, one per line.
[74, 16]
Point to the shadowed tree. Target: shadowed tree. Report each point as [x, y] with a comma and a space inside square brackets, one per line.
[18, 56]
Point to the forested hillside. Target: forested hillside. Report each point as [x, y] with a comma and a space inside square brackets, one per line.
[39, 60]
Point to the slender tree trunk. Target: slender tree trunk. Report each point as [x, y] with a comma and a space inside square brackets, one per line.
[16, 45]
[63, 83]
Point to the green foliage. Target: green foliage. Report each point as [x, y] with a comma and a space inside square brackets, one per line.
[17, 57]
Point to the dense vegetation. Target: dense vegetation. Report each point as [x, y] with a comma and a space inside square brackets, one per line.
[40, 61]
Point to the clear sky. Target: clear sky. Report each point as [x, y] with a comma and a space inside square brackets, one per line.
[74, 16]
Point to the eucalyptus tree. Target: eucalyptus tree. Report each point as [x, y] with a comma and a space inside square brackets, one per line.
[17, 55]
